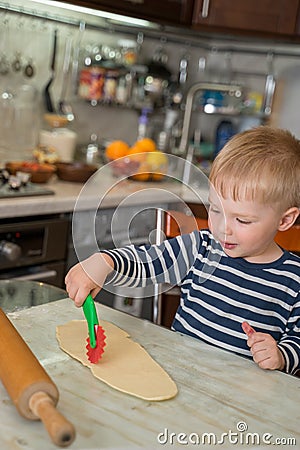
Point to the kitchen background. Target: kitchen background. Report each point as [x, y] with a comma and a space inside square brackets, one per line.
[26, 50]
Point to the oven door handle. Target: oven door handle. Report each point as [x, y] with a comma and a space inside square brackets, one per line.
[46, 274]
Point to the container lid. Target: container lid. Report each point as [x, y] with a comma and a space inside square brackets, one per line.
[56, 120]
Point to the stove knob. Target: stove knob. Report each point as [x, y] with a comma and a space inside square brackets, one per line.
[10, 251]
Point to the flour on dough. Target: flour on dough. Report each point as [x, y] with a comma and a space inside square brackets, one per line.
[125, 365]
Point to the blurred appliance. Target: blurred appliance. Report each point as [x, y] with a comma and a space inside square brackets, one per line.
[34, 248]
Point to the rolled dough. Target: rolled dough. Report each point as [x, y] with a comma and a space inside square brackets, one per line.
[125, 365]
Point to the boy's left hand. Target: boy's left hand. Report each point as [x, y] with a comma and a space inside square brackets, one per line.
[264, 349]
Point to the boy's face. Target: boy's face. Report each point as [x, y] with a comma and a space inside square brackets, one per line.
[245, 229]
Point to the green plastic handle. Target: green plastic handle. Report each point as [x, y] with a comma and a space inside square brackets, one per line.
[90, 313]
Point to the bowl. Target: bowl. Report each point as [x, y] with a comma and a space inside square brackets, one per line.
[78, 172]
[39, 173]
[148, 166]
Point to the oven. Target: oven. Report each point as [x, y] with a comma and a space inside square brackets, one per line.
[34, 248]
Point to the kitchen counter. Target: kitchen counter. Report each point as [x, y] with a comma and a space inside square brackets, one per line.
[102, 190]
[219, 392]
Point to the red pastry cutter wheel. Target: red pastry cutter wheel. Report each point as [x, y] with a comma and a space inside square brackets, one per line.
[96, 339]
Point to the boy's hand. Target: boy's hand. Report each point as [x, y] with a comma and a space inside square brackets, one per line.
[264, 349]
[88, 277]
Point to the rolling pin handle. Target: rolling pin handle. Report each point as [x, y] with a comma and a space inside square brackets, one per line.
[59, 428]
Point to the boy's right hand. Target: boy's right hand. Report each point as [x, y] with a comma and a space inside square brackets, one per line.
[264, 349]
[88, 277]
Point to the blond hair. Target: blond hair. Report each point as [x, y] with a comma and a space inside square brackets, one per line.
[261, 164]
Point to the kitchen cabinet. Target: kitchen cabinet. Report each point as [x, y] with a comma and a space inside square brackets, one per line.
[265, 16]
[174, 12]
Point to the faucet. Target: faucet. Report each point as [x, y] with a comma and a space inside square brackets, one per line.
[201, 86]
[184, 148]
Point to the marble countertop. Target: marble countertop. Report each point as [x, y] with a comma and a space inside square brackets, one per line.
[102, 190]
[218, 393]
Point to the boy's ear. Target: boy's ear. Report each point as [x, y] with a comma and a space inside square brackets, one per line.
[288, 218]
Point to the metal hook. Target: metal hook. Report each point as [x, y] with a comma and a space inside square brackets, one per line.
[140, 38]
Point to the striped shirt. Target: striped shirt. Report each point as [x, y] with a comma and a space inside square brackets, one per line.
[218, 292]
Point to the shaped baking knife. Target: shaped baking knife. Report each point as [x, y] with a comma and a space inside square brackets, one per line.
[96, 339]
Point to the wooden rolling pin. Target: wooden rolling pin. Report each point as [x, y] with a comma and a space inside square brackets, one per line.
[29, 386]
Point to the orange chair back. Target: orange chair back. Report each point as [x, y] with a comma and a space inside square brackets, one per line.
[290, 239]
[177, 223]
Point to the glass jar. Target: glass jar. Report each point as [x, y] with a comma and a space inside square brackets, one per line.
[58, 137]
[19, 122]
[110, 86]
[91, 83]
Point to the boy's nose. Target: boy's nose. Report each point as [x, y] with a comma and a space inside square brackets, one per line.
[227, 227]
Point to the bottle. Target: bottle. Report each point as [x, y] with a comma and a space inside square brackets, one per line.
[143, 125]
[121, 92]
[225, 131]
[164, 133]
[110, 86]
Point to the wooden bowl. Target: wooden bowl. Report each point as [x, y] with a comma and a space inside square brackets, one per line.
[77, 172]
[39, 173]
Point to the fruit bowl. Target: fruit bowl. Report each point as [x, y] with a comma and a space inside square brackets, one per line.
[77, 172]
[141, 162]
[39, 173]
[141, 166]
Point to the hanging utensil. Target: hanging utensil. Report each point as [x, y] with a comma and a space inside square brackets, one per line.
[17, 62]
[160, 55]
[76, 55]
[29, 70]
[183, 69]
[4, 63]
[19, 33]
[47, 96]
[64, 107]
[269, 86]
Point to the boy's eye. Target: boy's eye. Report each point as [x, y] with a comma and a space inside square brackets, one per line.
[213, 209]
[245, 222]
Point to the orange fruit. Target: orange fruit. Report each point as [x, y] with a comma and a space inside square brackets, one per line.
[142, 173]
[135, 154]
[146, 145]
[116, 149]
[157, 176]
[141, 176]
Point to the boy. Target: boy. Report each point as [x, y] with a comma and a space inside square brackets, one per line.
[239, 290]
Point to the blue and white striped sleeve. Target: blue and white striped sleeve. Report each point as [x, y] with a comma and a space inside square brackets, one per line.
[169, 262]
[289, 344]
